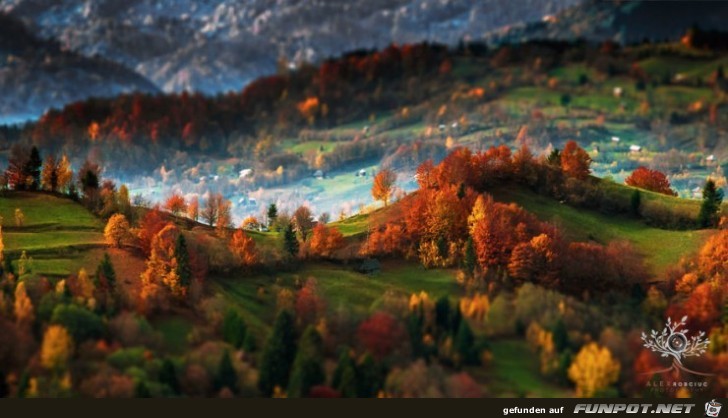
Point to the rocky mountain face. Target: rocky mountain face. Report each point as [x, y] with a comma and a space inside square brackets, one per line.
[621, 21]
[214, 46]
[37, 74]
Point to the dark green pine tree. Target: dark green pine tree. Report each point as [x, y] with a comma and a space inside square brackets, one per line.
[168, 376]
[290, 241]
[443, 313]
[249, 344]
[455, 319]
[443, 248]
[307, 370]
[465, 344]
[141, 390]
[105, 274]
[272, 213]
[636, 202]
[461, 191]
[226, 375]
[278, 355]
[712, 199]
[8, 266]
[368, 377]
[471, 259]
[4, 389]
[184, 271]
[554, 158]
[234, 329]
[560, 336]
[344, 379]
[23, 384]
[415, 325]
[33, 168]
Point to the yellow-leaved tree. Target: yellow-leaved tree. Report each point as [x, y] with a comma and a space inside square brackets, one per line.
[23, 307]
[2, 243]
[593, 370]
[117, 230]
[162, 277]
[384, 185]
[57, 348]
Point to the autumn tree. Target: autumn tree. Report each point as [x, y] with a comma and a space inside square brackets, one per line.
[324, 241]
[380, 334]
[117, 230]
[224, 218]
[16, 173]
[161, 276]
[175, 204]
[309, 305]
[124, 202]
[211, 211]
[49, 175]
[23, 307]
[383, 185]
[713, 257]
[497, 228]
[710, 208]
[278, 355]
[539, 259]
[19, 217]
[243, 248]
[64, 174]
[193, 209]
[653, 180]
[575, 161]
[303, 221]
[593, 370]
[151, 223]
[2, 244]
[57, 348]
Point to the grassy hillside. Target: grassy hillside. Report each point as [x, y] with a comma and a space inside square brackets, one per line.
[59, 234]
[661, 248]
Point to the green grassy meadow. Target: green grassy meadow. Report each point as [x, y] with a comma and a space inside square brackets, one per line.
[59, 234]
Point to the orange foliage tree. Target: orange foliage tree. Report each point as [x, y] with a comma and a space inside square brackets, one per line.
[161, 278]
[713, 258]
[117, 230]
[152, 222]
[653, 180]
[497, 228]
[575, 161]
[324, 241]
[384, 185]
[309, 304]
[176, 204]
[243, 248]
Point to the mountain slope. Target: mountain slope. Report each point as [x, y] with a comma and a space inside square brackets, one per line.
[219, 45]
[36, 75]
[622, 21]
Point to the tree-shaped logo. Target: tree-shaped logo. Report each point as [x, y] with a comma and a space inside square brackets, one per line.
[674, 342]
